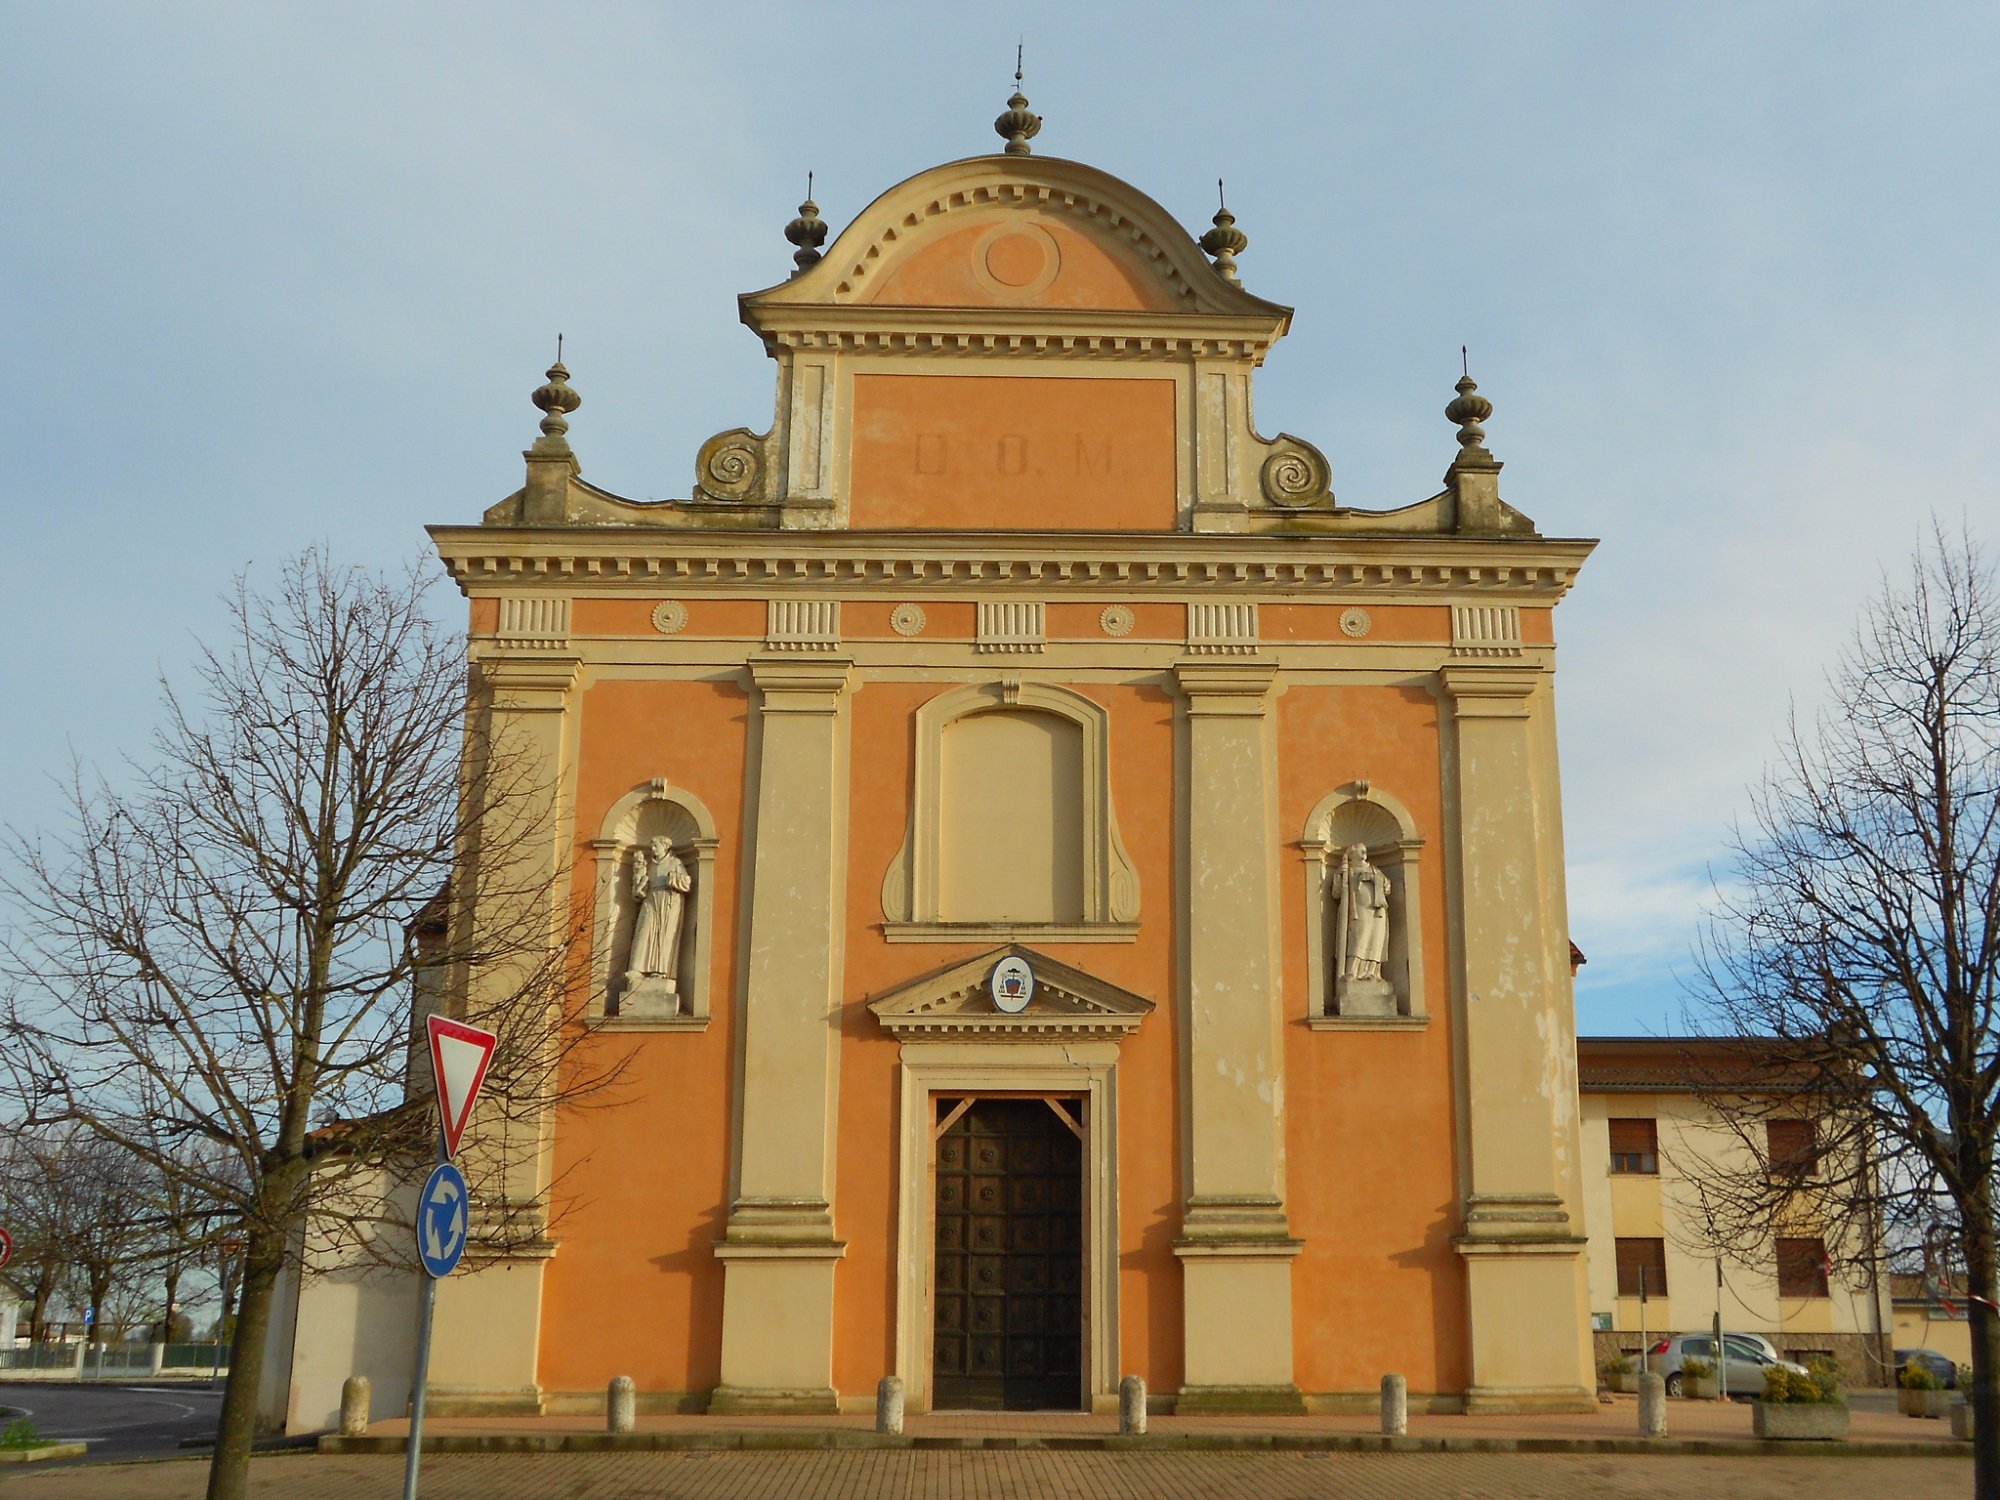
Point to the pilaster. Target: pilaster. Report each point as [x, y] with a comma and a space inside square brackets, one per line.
[1522, 1231]
[1236, 1247]
[512, 911]
[778, 1249]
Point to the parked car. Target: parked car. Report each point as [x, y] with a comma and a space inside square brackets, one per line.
[1929, 1359]
[1742, 1373]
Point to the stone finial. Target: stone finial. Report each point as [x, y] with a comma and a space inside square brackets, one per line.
[556, 399]
[1018, 124]
[1469, 410]
[1225, 242]
[807, 232]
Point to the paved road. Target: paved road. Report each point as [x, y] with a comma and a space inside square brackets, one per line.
[1029, 1475]
[118, 1421]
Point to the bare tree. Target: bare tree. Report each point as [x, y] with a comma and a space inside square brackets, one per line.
[1860, 934]
[38, 1205]
[214, 964]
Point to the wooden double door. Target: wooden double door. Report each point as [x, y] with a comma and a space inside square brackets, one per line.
[1008, 1303]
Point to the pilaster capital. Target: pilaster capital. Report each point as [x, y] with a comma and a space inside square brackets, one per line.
[796, 685]
[1490, 691]
[1234, 688]
[530, 684]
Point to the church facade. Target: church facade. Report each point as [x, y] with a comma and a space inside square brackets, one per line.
[1076, 900]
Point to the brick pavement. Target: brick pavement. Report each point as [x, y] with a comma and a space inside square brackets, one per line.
[1027, 1475]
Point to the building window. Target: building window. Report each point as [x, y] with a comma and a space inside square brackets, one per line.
[1642, 1258]
[1791, 1149]
[1635, 1148]
[1802, 1268]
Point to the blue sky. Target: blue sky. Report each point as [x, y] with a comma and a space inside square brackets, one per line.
[272, 274]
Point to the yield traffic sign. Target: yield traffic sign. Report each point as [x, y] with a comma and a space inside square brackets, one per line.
[460, 1055]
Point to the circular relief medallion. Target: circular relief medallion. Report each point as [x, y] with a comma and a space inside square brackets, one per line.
[907, 619]
[670, 617]
[1355, 622]
[1116, 620]
[1016, 261]
[1012, 984]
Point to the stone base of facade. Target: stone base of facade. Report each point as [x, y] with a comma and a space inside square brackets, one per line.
[1256, 1400]
[1518, 1401]
[1368, 1403]
[747, 1401]
[472, 1401]
[649, 1403]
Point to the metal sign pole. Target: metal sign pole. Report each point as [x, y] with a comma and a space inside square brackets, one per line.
[1645, 1363]
[427, 1306]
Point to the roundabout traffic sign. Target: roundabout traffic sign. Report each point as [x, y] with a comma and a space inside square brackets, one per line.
[442, 1220]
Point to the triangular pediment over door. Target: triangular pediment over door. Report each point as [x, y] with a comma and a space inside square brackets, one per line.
[956, 1002]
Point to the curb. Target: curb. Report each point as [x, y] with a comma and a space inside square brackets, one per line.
[43, 1451]
[1198, 1442]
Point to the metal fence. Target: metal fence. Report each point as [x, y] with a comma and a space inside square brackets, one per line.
[39, 1357]
[193, 1357]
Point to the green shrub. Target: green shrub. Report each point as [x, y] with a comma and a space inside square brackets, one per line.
[1916, 1377]
[1624, 1364]
[1697, 1369]
[1821, 1384]
[20, 1434]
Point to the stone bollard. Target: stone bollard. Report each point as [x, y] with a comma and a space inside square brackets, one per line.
[621, 1405]
[1132, 1406]
[1395, 1406]
[889, 1405]
[354, 1406]
[1652, 1406]
[82, 1357]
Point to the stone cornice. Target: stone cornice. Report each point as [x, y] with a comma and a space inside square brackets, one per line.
[614, 560]
[1057, 334]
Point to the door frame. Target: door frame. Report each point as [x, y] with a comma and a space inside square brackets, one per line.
[997, 1069]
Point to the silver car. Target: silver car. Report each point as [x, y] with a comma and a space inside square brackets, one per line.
[1742, 1373]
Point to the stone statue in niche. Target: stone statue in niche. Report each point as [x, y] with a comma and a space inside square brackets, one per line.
[1362, 940]
[660, 884]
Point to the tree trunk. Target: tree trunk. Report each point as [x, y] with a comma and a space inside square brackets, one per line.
[229, 1470]
[173, 1280]
[1981, 1283]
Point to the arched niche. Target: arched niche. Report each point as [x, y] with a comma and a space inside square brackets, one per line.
[1362, 813]
[1062, 783]
[657, 809]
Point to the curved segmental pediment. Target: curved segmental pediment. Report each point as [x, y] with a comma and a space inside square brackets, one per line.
[1016, 231]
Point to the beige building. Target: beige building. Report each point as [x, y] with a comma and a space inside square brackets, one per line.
[1648, 1134]
[1079, 899]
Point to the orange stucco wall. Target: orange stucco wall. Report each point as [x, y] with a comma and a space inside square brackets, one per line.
[1013, 453]
[636, 1290]
[1149, 1191]
[643, 1177]
[1371, 1175]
